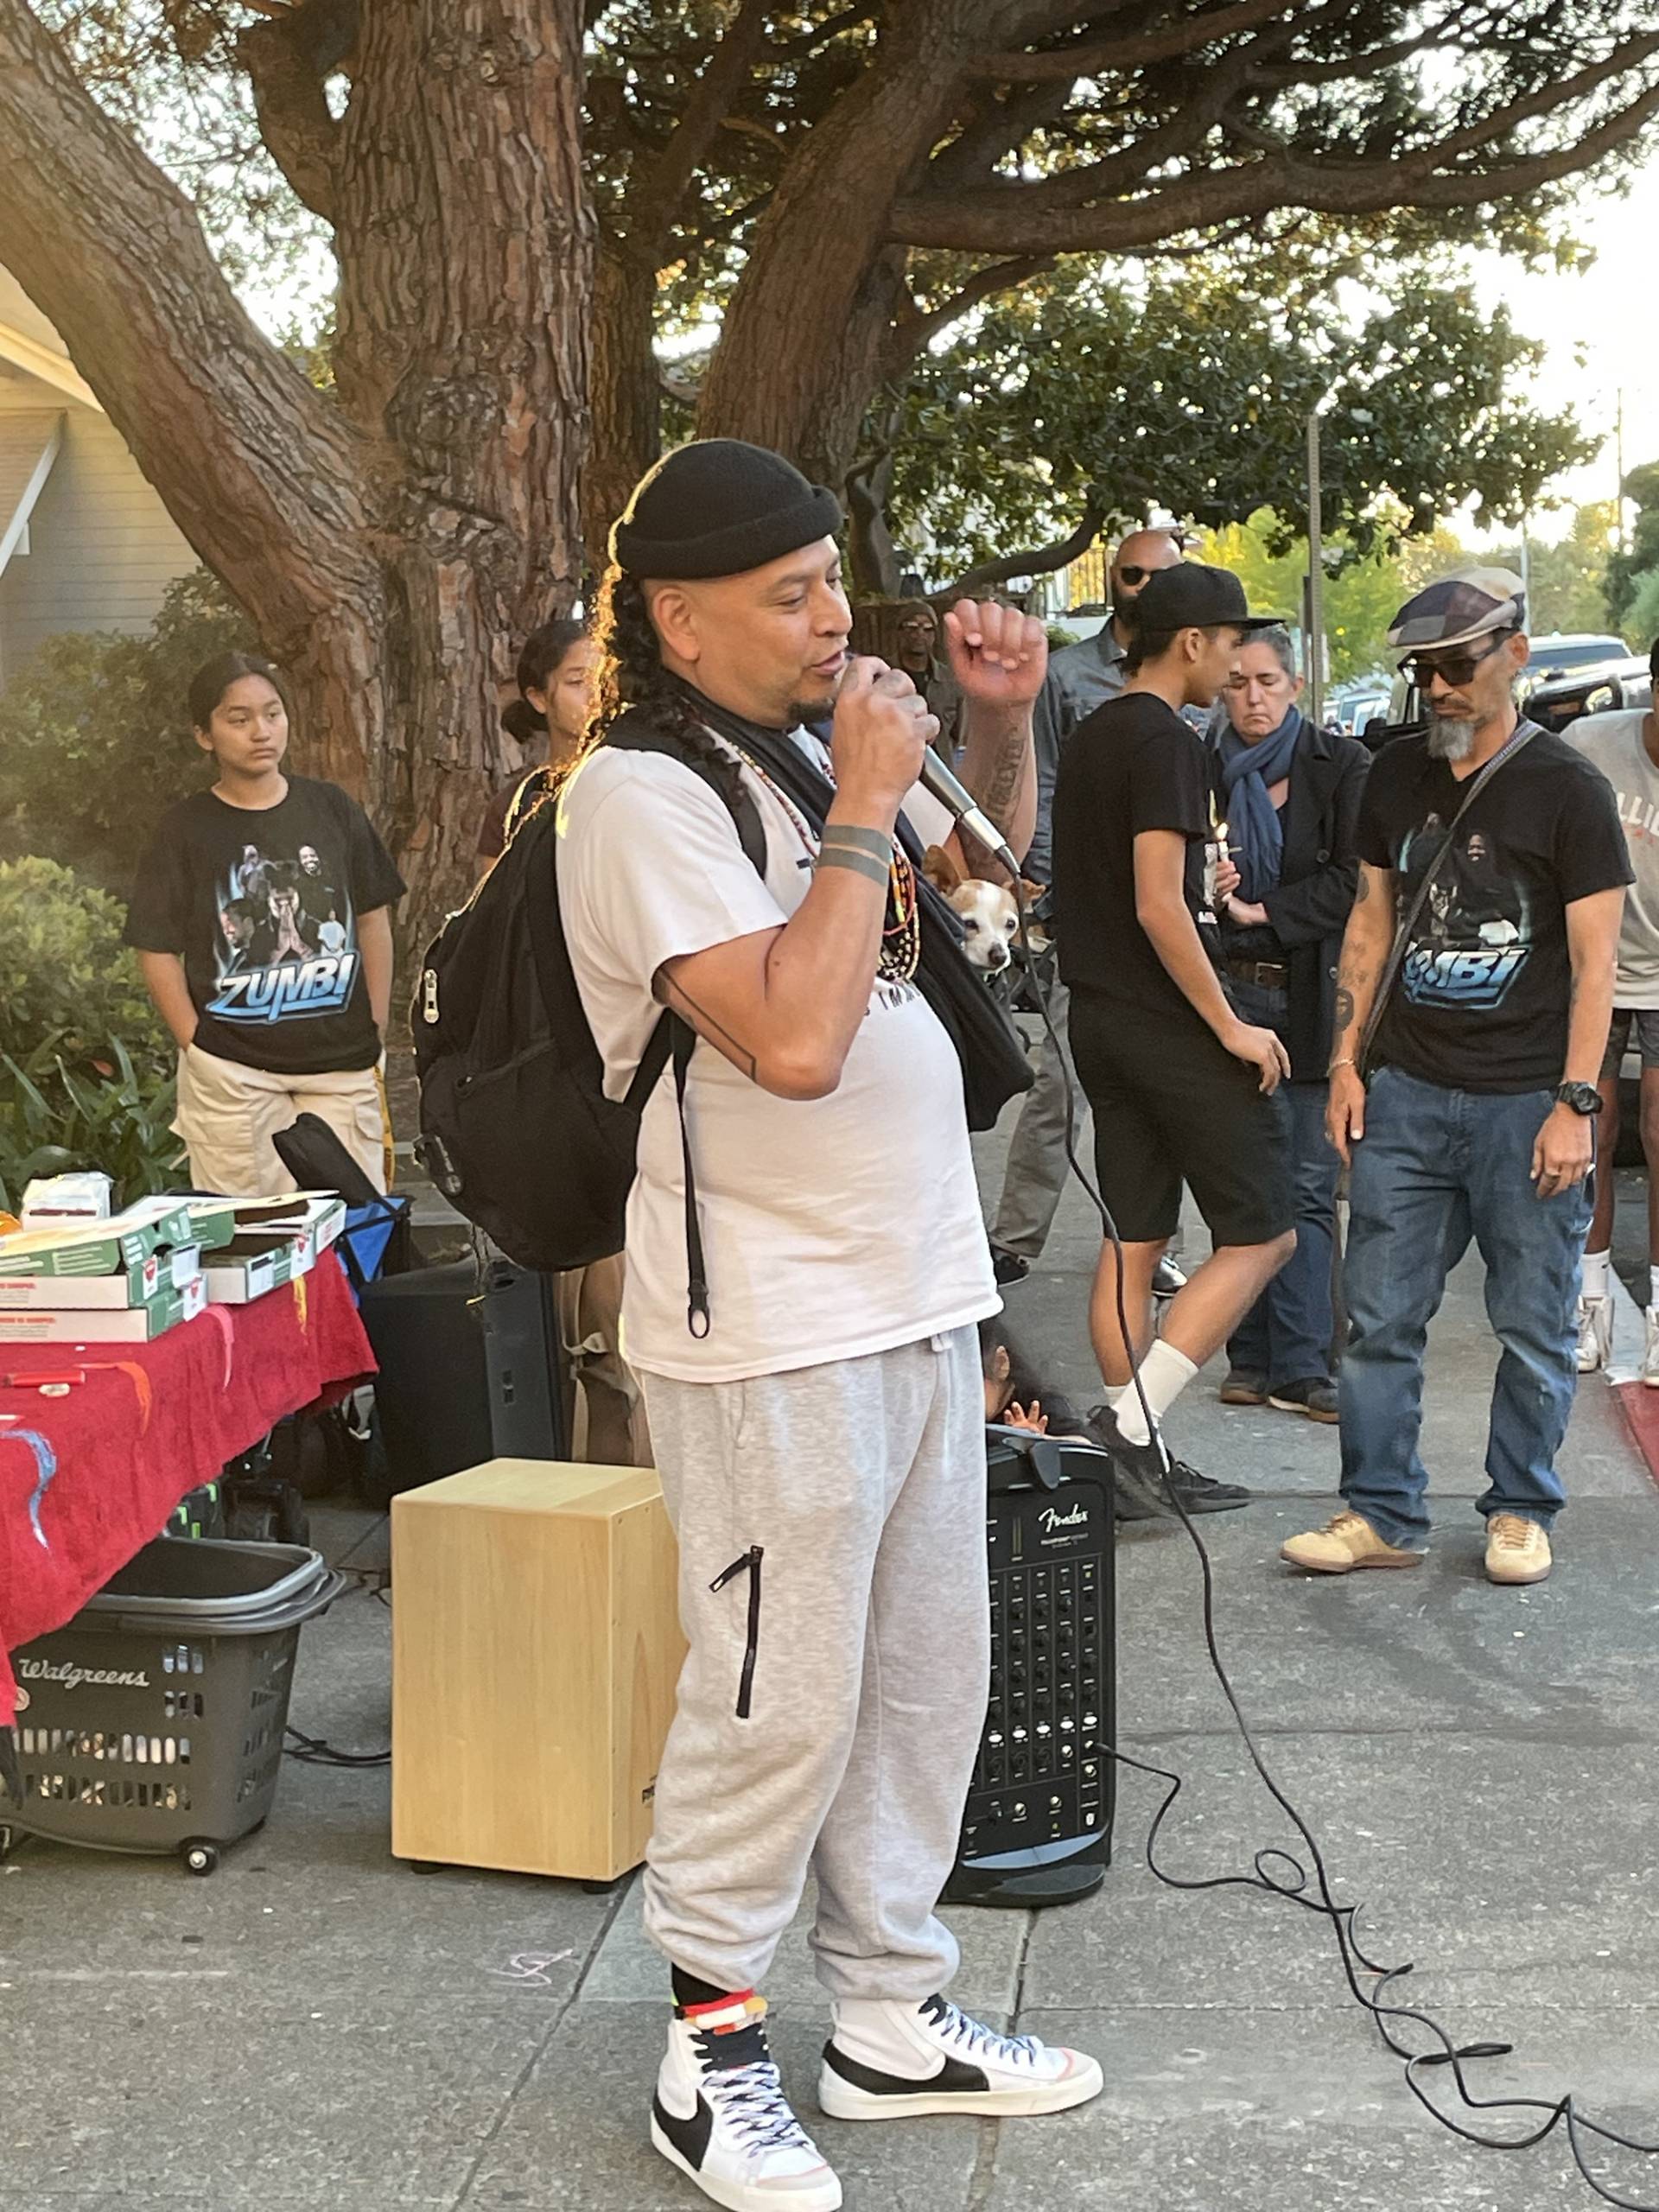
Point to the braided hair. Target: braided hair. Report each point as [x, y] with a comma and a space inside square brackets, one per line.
[633, 678]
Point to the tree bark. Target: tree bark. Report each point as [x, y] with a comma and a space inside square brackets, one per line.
[392, 545]
[625, 396]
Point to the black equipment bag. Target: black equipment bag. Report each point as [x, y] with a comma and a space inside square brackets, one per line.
[516, 1131]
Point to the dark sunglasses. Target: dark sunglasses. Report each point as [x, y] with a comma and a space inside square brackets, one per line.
[1133, 573]
[1452, 668]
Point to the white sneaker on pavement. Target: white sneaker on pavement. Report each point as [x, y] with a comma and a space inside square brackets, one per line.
[1650, 1355]
[885, 2060]
[719, 2115]
[1596, 1334]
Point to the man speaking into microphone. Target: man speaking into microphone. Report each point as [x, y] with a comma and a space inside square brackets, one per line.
[818, 1419]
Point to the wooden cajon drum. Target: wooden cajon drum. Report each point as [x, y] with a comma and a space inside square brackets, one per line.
[535, 1644]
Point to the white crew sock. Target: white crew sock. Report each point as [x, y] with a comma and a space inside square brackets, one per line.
[1165, 1373]
[1593, 1275]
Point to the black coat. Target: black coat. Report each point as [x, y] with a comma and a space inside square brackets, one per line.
[1318, 878]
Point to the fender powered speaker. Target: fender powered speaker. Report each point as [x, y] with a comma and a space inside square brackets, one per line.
[1038, 1826]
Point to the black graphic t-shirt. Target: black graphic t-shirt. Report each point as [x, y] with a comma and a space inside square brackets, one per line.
[262, 907]
[1132, 765]
[1484, 992]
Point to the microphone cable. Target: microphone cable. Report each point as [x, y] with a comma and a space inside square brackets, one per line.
[1278, 1872]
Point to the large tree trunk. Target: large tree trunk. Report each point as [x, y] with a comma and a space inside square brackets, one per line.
[809, 324]
[624, 396]
[394, 546]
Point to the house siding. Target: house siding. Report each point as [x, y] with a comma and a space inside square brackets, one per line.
[102, 548]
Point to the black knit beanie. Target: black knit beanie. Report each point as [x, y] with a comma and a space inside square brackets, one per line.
[717, 507]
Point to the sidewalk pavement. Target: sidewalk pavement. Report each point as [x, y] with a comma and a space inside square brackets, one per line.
[319, 2029]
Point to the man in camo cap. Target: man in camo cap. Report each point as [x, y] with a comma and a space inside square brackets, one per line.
[1479, 1119]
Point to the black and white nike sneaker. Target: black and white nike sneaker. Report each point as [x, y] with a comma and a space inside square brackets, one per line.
[890, 2061]
[719, 2114]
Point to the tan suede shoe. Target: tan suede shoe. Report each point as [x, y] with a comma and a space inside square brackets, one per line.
[1342, 1545]
[1517, 1550]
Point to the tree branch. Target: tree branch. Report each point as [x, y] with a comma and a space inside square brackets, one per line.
[657, 195]
[288, 98]
[112, 253]
[921, 328]
[1041, 560]
[1118, 57]
[1006, 222]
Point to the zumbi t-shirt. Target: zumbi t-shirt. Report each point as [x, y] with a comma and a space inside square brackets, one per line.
[262, 907]
[1483, 996]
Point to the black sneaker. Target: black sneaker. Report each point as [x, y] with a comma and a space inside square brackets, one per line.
[1315, 1398]
[1244, 1387]
[1141, 1466]
[1137, 1483]
[1167, 1278]
[1008, 1267]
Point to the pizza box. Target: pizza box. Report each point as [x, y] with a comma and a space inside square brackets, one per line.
[213, 1222]
[238, 1275]
[107, 1324]
[98, 1248]
[139, 1285]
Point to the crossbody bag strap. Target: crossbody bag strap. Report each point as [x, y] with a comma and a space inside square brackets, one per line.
[1523, 736]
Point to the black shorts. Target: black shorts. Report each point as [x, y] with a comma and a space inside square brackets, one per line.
[1171, 1107]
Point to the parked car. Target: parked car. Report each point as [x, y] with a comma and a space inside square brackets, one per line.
[1599, 690]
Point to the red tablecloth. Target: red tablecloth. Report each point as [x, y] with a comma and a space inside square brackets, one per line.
[88, 1479]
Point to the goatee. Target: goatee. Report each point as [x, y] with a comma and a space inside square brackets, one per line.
[1449, 739]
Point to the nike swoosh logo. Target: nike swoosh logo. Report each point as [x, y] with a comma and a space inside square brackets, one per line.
[688, 2136]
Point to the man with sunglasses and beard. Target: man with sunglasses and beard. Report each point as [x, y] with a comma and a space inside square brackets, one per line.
[1480, 1118]
[1080, 678]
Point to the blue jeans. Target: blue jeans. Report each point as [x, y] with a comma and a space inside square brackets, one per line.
[1434, 1168]
[1287, 1333]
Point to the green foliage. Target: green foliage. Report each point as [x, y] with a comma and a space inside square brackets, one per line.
[95, 742]
[1568, 580]
[1625, 570]
[1360, 597]
[1640, 622]
[1192, 391]
[86, 1067]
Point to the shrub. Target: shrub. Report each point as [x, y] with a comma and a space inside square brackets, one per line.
[85, 1064]
[95, 744]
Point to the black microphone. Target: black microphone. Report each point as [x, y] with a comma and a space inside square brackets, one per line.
[959, 802]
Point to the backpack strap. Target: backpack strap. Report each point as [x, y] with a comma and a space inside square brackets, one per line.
[634, 733]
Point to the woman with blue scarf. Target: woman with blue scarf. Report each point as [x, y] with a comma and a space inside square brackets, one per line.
[1289, 794]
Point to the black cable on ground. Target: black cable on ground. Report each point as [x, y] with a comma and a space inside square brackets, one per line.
[1278, 1873]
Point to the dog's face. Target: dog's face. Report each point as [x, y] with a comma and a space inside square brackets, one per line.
[988, 914]
[990, 922]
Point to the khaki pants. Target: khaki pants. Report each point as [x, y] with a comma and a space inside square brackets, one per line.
[615, 1433]
[228, 1114]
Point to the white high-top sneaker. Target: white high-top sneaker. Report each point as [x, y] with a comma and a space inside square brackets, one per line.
[1595, 1334]
[719, 2115]
[890, 2061]
[1650, 1355]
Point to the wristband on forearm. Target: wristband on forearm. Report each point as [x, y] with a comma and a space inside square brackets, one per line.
[863, 864]
[854, 836]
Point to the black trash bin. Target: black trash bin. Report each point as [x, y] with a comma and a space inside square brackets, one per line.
[153, 1721]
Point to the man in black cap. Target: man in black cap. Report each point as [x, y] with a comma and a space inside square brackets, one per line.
[820, 1432]
[1181, 1087]
[1480, 1118]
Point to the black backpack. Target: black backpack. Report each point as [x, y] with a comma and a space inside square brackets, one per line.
[516, 1131]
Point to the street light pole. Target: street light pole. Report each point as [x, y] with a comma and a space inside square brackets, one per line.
[1313, 639]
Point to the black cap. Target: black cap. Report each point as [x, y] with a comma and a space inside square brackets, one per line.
[1192, 596]
[717, 507]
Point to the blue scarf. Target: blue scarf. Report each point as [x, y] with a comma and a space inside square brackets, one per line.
[1254, 833]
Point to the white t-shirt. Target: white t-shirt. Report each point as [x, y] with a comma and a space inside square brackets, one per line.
[1614, 743]
[831, 1227]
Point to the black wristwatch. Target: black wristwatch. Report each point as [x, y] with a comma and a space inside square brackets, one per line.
[1582, 1097]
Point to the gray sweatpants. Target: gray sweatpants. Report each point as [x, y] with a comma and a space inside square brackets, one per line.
[864, 1642]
